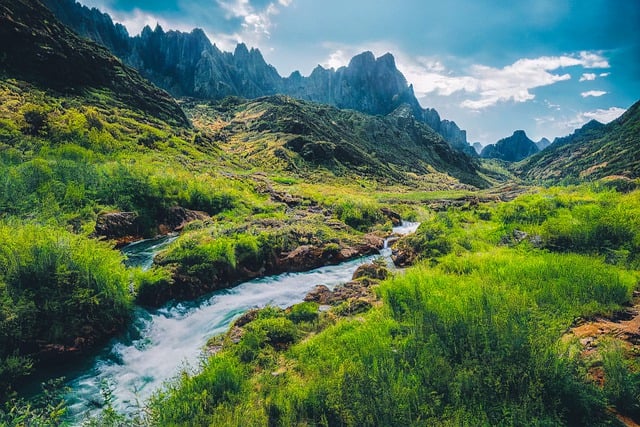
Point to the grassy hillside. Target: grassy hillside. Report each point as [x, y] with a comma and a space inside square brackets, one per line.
[283, 134]
[593, 152]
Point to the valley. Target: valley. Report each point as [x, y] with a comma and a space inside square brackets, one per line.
[293, 255]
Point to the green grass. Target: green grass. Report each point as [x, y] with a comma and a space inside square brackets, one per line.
[471, 336]
[56, 288]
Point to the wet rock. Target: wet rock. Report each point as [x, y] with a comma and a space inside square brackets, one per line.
[374, 240]
[177, 217]
[320, 294]
[373, 271]
[247, 317]
[394, 217]
[123, 227]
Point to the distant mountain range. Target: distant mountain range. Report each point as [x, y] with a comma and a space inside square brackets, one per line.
[188, 64]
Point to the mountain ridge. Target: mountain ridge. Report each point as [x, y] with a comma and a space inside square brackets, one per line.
[188, 64]
[37, 48]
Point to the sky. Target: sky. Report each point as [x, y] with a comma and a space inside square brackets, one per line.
[492, 66]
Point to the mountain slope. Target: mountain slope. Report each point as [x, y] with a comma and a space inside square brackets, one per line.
[592, 152]
[512, 149]
[283, 133]
[543, 143]
[187, 64]
[36, 47]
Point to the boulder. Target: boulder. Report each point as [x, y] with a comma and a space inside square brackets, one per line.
[120, 226]
[177, 217]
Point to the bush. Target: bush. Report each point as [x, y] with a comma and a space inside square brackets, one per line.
[304, 312]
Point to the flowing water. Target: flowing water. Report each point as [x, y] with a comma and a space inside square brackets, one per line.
[159, 343]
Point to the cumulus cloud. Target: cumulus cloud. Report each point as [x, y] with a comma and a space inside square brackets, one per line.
[257, 21]
[488, 86]
[594, 93]
[605, 74]
[588, 77]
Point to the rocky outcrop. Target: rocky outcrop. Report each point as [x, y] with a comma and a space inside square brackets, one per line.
[308, 257]
[123, 227]
[177, 217]
[357, 293]
[127, 227]
[512, 149]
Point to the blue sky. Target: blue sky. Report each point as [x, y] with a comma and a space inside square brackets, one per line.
[493, 66]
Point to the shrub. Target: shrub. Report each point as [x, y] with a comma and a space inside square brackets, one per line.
[304, 312]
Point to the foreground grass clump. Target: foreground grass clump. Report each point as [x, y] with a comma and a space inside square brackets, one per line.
[57, 290]
[474, 340]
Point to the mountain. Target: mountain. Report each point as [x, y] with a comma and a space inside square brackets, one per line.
[512, 149]
[281, 133]
[591, 152]
[543, 143]
[477, 147]
[187, 64]
[37, 48]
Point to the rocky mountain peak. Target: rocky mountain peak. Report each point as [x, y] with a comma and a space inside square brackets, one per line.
[364, 60]
[512, 149]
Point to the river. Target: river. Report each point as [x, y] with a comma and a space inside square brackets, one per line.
[159, 343]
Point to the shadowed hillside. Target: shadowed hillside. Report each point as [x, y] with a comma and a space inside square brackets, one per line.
[38, 48]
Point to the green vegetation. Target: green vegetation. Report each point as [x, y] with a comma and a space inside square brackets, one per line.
[473, 335]
[58, 291]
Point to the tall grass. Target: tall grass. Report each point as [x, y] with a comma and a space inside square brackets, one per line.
[57, 288]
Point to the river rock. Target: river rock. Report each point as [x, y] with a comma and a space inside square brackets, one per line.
[356, 289]
[308, 257]
[320, 294]
[177, 217]
[395, 217]
[120, 226]
[372, 271]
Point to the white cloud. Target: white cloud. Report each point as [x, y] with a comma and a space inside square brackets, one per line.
[337, 59]
[511, 83]
[593, 60]
[587, 77]
[594, 93]
[601, 115]
[254, 21]
[604, 116]
[605, 74]
[564, 125]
